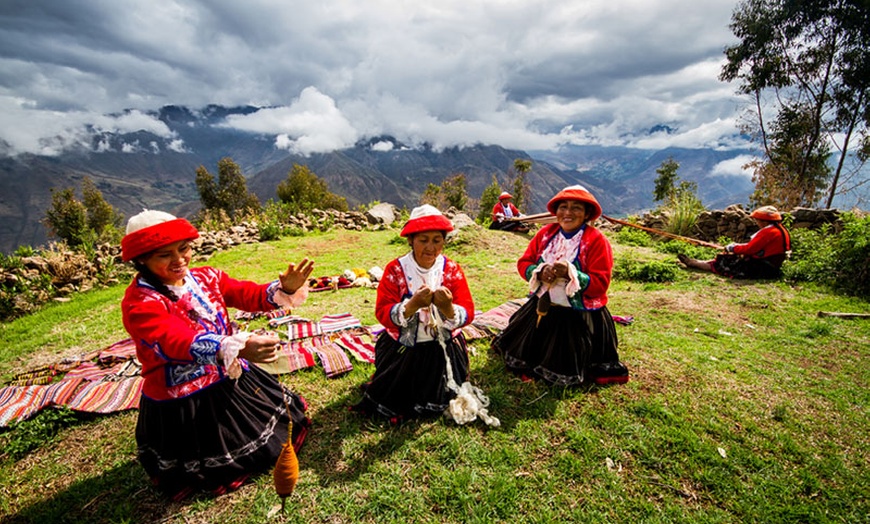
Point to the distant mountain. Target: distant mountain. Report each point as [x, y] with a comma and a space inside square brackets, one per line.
[159, 172]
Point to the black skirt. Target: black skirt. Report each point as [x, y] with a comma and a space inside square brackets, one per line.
[567, 348]
[412, 381]
[735, 266]
[214, 439]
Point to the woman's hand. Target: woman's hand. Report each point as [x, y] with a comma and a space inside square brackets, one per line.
[296, 276]
[261, 349]
[443, 300]
[422, 298]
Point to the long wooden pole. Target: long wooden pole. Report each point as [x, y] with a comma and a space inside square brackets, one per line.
[547, 218]
[664, 233]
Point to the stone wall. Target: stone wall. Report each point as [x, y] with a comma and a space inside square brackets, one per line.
[735, 223]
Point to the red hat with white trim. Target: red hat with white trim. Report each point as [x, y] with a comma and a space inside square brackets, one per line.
[426, 218]
[768, 213]
[504, 195]
[579, 193]
[153, 229]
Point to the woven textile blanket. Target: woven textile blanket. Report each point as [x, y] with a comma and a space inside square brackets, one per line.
[22, 402]
[359, 346]
[497, 318]
[333, 359]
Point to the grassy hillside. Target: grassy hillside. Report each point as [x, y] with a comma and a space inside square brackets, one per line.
[744, 406]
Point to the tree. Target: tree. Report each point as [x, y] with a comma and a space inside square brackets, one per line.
[806, 64]
[82, 223]
[102, 218]
[519, 185]
[680, 201]
[451, 193]
[488, 200]
[67, 218]
[664, 188]
[303, 191]
[455, 191]
[229, 194]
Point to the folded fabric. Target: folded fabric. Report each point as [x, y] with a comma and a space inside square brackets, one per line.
[333, 359]
[360, 348]
[118, 352]
[333, 323]
[498, 317]
[625, 321]
[297, 330]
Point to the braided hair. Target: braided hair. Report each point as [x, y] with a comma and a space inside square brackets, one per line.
[148, 276]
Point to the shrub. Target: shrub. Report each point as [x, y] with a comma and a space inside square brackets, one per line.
[629, 236]
[841, 261]
[652, 271]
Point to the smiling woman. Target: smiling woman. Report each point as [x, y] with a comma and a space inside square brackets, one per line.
[423, 301]
[207, 418]
[564, 333]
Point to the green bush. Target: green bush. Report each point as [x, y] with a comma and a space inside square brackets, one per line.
[841, 261]
[651, 271]
[629, 236]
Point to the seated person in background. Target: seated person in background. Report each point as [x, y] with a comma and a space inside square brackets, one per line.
[208, 418]
[761, 257]
[504, 210]
[423, 299]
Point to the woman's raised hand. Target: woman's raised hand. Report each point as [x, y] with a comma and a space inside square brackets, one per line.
[296, 276]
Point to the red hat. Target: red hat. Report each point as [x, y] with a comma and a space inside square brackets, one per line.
[579, 193]
[768, 213]
[150, 230]
[426, 218]
[504, 195]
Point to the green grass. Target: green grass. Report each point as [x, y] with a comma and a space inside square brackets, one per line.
[744, 406]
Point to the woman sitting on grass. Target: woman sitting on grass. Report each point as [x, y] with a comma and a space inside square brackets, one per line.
[564, 333]
[423, 299]
[761, 257]
[207, 418]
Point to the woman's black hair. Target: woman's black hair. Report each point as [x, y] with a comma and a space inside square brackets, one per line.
[148, 276]
[154, 280]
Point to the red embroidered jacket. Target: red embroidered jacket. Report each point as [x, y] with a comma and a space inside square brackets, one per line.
[498, 208]
[594, 262]
[393, 289]
[179, 355]
[770, 243]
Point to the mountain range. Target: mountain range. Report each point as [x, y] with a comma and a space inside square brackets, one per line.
[141, 169]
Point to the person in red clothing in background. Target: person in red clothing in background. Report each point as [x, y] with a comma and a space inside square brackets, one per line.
[503, 210]
[564, 333]
[761, 257]
[208, 418]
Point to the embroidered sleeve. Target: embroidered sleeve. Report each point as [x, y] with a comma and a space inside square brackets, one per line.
[280, 298]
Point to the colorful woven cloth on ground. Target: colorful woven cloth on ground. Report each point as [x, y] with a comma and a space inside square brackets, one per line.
[286, 319]
[497, 318]
[624, 320]
[333, 359]
[108, 396]
[298, 330]
[293, 357]
[340, 322]
[360, 346]
[93, 371]
[118, 352]
[473, 332]
[22, 402]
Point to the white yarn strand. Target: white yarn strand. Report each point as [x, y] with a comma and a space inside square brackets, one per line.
[470, 402]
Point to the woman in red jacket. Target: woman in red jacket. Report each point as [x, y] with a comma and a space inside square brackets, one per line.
[423, 299]
[761, 257]
[207, 418]
[503, 210]
[564, 333]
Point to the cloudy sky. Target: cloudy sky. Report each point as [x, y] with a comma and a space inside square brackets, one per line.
[522, 74]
